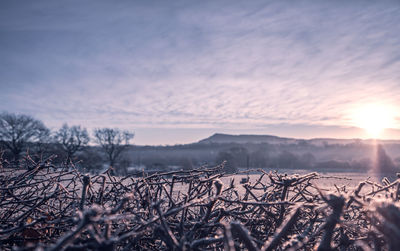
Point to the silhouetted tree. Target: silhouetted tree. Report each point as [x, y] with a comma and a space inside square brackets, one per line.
[384, 163]
[307, 160]
[259, 159]
[186, 164]
[287, 159]
[91, 159]
[16, 131]
[230, 163]
[241, 156]
[43, 147]
[363, 164]
[332, 165]
[113, 142]
[72, 139]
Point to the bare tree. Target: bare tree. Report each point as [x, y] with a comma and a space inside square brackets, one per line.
[72, 139]
[16, 131]
[230, 165]
[42, 147]
[113, 142]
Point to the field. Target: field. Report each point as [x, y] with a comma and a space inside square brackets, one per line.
[326, 180]
[44, 207]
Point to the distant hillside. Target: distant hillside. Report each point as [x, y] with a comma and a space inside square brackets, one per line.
[268, 151]
[220, 138]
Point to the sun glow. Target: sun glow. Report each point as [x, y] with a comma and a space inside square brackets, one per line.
[374, 119]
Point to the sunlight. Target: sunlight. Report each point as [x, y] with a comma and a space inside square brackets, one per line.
[375, 118]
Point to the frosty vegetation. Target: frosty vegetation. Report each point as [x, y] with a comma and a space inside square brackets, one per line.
[43, 207]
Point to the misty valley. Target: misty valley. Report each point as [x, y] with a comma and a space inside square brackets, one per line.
[243, 152]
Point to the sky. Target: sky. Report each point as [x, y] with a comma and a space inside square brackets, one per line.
[178, 71]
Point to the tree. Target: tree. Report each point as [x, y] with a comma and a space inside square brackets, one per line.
[42, 148]
[240, 155]
[259, 158]
[113, 142]
[186, 163]
[287, 160]
[72, 139]
[16, 131]
[383, 163]
[230, 163]
[306, 160]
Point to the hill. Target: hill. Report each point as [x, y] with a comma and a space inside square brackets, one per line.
[220, 138]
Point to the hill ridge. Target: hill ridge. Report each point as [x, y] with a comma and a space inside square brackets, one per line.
[273, 139]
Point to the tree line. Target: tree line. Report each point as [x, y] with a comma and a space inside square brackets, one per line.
[23, 134]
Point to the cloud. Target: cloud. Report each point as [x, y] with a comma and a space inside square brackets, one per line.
[216, 64]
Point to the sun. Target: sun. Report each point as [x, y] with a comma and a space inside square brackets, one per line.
[375, 118]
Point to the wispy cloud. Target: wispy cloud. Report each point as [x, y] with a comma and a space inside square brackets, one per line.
[190, 64]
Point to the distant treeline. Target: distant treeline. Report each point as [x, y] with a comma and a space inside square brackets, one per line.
[22, 135]
[350, 157]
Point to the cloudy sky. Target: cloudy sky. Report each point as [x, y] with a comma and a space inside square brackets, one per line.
[178, 71]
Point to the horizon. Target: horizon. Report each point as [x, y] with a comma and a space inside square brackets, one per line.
[178, 73]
